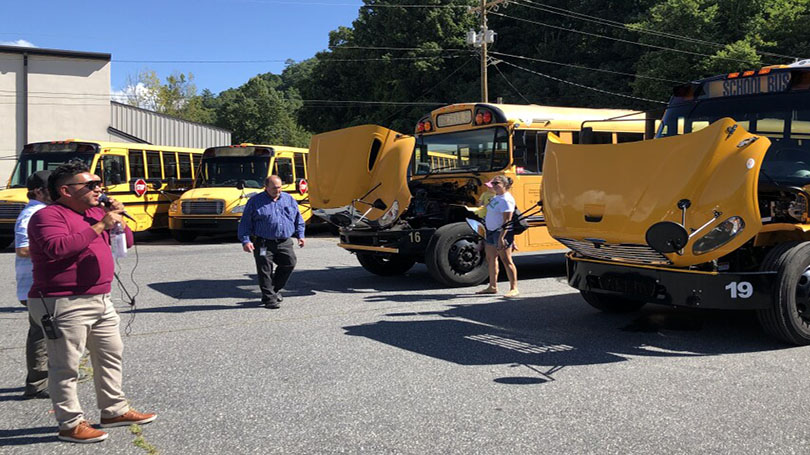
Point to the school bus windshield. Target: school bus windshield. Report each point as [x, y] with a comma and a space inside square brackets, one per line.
[783, 118]
[28, 163]
[479, 150]
[228, 171]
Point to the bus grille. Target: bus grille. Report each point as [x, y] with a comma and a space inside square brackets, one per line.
[10, 211]
[637, 254]
[203, 207]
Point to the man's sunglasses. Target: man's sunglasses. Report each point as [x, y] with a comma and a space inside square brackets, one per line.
[91, 185]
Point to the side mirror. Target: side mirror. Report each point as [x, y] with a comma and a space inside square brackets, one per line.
[240, 185]
[379, 204]
[586, 135]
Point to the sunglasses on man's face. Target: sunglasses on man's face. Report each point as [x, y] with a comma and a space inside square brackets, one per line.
[91, 185]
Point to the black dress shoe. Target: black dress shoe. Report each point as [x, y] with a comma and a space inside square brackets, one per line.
[42, 394]
[272, 305]
[279, 297]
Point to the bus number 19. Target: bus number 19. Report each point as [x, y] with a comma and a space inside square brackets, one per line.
[741, 290]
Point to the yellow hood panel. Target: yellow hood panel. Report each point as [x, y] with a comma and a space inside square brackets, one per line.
[339, 173]
[616, 192]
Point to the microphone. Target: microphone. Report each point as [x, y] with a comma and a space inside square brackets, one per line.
[104, 200]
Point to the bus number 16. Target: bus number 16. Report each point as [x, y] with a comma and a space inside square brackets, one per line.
[741, 290]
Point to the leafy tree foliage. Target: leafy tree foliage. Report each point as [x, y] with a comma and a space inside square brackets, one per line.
[396, 64]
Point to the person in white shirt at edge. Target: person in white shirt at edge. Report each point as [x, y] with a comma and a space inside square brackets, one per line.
[36, 354]
[499, 240]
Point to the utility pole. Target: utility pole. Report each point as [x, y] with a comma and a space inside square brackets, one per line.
[486, 36]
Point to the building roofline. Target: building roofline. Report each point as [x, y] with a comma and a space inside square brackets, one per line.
[54, 52]
[129, 106]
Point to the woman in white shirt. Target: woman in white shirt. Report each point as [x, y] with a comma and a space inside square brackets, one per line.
[499, 239]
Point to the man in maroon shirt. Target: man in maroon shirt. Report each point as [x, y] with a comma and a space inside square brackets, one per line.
[73, 271]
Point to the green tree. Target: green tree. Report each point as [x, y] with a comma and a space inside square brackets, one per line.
[176, 97]
[259, 112]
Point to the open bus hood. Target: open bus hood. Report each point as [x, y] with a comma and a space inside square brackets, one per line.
[365, 162]
[600, 200]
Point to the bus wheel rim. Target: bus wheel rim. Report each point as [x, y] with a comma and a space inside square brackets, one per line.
[463, 256]
[803, 296]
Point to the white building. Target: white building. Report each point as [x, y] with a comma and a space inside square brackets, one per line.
[48, 94]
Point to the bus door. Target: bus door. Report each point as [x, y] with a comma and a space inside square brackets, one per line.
[529, 147]
[112, 168]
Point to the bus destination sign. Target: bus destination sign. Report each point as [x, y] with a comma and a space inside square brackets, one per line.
[454, 118]
[771, 83]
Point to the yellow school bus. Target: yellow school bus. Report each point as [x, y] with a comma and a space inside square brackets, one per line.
[227, 177]
[163, 172]
[713, 213]
[401, 198]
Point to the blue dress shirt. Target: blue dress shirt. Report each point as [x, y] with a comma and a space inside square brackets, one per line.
[271, 219]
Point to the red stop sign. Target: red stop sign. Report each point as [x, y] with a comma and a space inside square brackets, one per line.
[303, 186]
[139, 187]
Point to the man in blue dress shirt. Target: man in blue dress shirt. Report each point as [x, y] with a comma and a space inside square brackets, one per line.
[270, 220]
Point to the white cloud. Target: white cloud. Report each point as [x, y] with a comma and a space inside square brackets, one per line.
[19, 42]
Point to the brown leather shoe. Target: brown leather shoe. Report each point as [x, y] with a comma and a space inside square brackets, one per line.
[82, 433]
[128, 418]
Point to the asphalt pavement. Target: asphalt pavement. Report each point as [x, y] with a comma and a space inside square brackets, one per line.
[356, 363]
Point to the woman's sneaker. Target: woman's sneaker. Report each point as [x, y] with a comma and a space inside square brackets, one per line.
[128, 418]
[83, 433]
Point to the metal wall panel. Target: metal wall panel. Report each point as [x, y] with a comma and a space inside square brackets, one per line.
[156, 128]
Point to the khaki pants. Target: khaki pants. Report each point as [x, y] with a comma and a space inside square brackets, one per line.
[89, 320]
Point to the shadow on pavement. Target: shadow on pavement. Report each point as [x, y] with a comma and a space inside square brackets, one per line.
[546, 334]
[26, 436]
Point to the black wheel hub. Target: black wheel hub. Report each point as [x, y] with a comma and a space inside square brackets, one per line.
[803, 295]
[464, 257]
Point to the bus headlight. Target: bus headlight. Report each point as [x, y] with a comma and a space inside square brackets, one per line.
[391, 215]
[174, 207]
[719, 236]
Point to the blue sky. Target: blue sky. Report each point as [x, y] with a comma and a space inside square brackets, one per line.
[147, 31]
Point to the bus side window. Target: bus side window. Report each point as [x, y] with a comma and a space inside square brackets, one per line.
[169, 165]
[113, 170]
[629, 137]
[601, 138]
[300, 166]
[185, 165]
[136, 169]
[284, 169]
[532, 162]
[153, 165]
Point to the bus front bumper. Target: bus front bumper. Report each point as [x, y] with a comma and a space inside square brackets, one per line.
[203, 224]
[408, 242]
[685, 288]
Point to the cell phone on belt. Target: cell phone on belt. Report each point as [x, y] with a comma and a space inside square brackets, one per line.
[49, 322]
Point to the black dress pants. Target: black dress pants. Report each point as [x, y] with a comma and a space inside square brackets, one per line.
[280, 253]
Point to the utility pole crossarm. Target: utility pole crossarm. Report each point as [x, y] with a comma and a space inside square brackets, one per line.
[475, 9]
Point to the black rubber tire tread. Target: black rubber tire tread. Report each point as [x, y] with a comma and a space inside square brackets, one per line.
[780, 321]
[437, 261]
[385, 264]
[184, 236]
[611, 303]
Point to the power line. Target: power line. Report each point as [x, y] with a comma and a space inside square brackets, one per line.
[391, 48]
[587, 68]
[617, 39]
[602, 21]
[379, 5]
[510, 84]
[582, 85]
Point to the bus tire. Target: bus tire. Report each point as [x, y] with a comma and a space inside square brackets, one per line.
[453, 258]
[184, 236]
[385, 264]
[789, 317]
[611, 303]
[5, 242]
